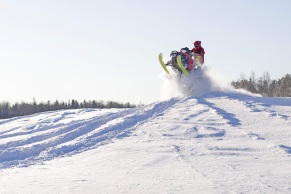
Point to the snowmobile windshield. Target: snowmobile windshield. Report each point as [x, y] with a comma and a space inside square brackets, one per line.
[173, 53]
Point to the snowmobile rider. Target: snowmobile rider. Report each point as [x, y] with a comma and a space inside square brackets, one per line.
[187, 59]
[198, 53]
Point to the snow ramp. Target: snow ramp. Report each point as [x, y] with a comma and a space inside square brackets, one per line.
[212, 143]
[40, 137]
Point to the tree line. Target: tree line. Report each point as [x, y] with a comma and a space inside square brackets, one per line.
[9, 110]
[264, 85]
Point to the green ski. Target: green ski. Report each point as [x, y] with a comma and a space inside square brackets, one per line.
[181, 66]
[162, 63]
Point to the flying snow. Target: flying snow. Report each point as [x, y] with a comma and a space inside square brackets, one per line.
[197, 83]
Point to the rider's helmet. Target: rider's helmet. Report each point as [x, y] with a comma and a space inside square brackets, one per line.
[197, 44]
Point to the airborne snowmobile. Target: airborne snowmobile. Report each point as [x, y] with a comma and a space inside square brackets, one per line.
[180, 61]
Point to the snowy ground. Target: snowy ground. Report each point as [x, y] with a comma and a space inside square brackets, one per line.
[218, 142]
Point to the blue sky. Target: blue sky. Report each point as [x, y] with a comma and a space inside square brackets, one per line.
[108, 50]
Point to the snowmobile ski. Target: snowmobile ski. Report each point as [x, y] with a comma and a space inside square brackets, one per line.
[162, 63]
[181, 66]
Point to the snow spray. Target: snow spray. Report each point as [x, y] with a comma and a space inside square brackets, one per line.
[197, 83]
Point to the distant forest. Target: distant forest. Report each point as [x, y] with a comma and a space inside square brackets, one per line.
[264, 85]
[8, 110]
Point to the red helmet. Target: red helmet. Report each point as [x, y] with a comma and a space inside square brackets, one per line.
[197, 43]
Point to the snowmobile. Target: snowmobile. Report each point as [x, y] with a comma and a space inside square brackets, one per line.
[180, 61]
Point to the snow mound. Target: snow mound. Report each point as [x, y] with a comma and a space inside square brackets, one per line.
[215, 143]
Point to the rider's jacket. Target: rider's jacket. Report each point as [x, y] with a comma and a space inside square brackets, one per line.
[199, 50]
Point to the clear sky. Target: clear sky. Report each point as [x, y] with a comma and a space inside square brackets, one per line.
[107, 50]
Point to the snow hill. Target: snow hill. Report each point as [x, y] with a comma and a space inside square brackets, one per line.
[219, 141]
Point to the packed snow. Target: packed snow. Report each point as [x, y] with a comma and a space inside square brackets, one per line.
[202, 137]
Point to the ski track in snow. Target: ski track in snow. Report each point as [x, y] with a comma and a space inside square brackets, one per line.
[229, 130]
[33, 139]
[215, 143]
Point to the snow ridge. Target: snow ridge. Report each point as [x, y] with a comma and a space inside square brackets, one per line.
[212, 143]
[44, 136]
